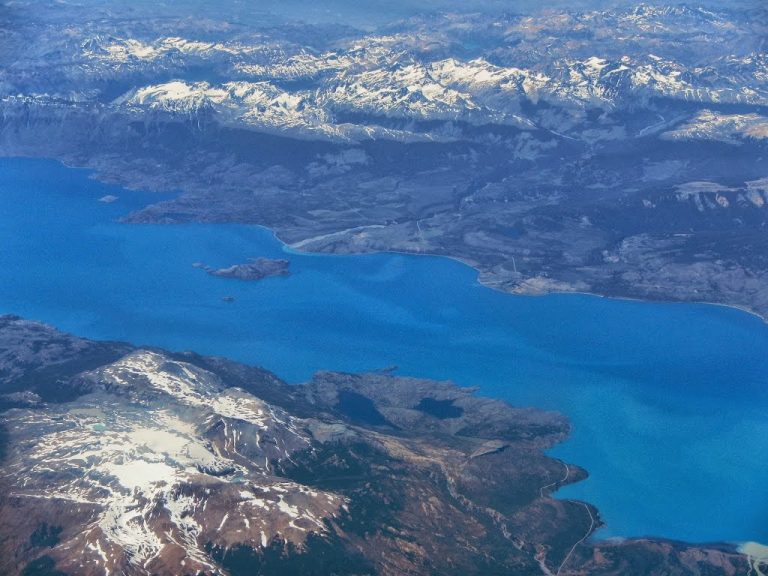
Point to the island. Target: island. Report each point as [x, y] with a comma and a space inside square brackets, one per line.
[254, 269]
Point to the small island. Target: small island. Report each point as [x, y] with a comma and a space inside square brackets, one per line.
[254, 269]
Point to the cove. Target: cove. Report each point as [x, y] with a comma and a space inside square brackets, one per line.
[668, 402]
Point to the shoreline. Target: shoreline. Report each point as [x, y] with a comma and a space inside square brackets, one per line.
[290, 249]
[755, 551]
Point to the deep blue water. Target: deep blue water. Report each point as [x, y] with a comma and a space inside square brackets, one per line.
[669, 402]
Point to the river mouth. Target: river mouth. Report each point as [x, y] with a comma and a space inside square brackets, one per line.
[667, 401]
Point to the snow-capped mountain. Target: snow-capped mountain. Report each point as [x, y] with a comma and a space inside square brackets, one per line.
[730, 128]
[474, 91]
[474, 69]
[156, 461]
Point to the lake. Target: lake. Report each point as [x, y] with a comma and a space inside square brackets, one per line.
[668, 401]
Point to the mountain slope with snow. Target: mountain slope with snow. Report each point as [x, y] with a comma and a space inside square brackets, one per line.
[157, 464]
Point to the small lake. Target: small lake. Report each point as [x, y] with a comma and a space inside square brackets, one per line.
[669, 402]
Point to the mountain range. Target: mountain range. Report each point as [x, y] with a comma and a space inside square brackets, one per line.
[615, 151]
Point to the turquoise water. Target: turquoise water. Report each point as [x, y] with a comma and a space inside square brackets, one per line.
[668, 402]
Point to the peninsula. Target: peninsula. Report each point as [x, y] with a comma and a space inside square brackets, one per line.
[208, 466]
